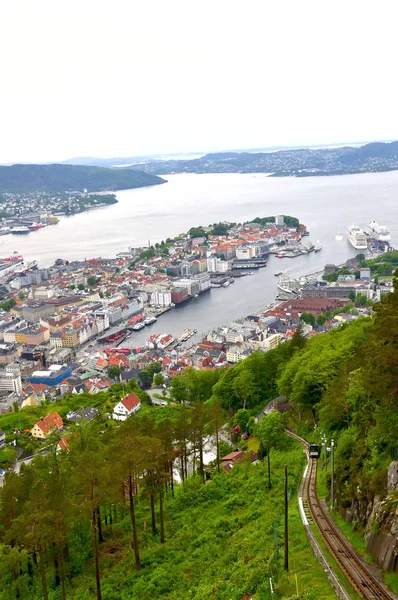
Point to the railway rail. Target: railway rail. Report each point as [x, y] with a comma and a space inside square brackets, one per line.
[358, 574]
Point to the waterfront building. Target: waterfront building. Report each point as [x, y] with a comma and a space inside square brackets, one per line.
[179, 295]
[161, 298]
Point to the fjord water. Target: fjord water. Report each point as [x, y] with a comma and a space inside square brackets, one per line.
[325, 204]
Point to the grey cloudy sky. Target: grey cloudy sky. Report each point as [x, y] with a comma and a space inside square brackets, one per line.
[127, 77]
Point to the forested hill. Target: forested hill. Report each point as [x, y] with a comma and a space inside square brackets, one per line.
[63, 178]
[374, 157]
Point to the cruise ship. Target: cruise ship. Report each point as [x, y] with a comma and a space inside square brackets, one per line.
[379, 232]
[357, 238]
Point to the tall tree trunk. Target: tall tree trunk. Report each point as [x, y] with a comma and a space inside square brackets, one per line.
[201, 466]
[269, 464]
[133, 526]
[186, 461]
[97, 572]
[161, 514]
[218, 448]
[182, 468]
[171, 479]
[99, 525]
[56, 568]
[110, 516]
[67, 560]
[43, 573]
[62, 571]
[153, 515]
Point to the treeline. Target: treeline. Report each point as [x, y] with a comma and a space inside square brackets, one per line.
[289, 221]
[345, 382]
[52, 515]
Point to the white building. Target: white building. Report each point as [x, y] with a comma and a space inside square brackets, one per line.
[234, 354]
[246, 252]
[204, 281]
[10, 379]
[127, 406]
[161, 298]
[279, 220]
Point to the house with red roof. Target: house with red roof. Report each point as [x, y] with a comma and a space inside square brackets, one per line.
[238, 457]
[46, 426]
[127, 406]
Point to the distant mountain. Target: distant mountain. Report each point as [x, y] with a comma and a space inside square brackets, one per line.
[305, 162]
[63, 178]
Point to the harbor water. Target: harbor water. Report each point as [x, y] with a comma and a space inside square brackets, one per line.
[326, 205]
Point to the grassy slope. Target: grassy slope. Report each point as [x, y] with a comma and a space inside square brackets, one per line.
[219, 543]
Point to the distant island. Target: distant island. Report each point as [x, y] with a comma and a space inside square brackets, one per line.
[24, 179]
[307, 162]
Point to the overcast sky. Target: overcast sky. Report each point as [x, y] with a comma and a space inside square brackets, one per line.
[127, 77]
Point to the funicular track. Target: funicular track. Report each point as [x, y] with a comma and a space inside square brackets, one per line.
[361, 579]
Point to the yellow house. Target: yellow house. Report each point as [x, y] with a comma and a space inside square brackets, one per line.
[46, 426]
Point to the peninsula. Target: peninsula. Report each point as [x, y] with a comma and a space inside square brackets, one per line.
[305, 162]
[23, 179]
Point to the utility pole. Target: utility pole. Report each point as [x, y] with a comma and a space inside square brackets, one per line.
[286, 528]
[332, 486]
[325, 453]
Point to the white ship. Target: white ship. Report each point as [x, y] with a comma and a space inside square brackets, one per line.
[339, 236]
[318, 246]
[378, 232]
[286, 286]
[25, 266]
[20, 230]
[138, 326]
[357, 238]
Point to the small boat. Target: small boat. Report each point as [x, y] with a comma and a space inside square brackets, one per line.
[150, 320]
[318, 246]
[278, 273]
[138, 326]
[280, 256]
[339, 236]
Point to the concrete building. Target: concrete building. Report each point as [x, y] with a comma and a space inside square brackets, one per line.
[70, 338]
[161, 298]
[179, 295]
[36, 336]
[246, 252]
[9, 353]
[34, 312]
[279, 220]
[204, 281]
[10, 379]
[234, 354]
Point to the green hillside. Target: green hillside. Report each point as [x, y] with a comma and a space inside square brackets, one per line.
[62, 178]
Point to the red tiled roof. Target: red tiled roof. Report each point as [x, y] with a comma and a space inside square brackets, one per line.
[234, 456]
[130, 401]
[63, 444]
[49, 422]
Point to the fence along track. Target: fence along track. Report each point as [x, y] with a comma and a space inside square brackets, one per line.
[361, 579]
